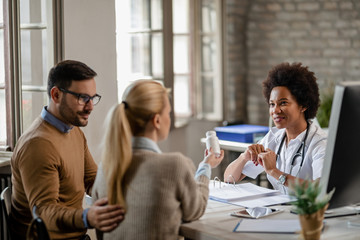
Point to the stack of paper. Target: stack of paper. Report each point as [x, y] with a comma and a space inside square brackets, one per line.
[246, 194]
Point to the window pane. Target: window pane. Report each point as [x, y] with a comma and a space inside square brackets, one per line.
[2, 118]
[181, 54]
[37, 55]
[156, 14]
[208, 54]
[2, 66]
[140, 56]
[139, 14]
[207, 94]
[3, 125]
[1, 12]
[208, 16]
[32, 102]
[157, 56]
[34, 57]
[181, 16]
[181, 96]
[32, 11]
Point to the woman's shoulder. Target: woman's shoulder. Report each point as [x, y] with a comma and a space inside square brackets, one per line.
[319, 134]
[273, 134]
[317, 138]
[172, 162]
[162, 158]
[175, 157]
[148, 153]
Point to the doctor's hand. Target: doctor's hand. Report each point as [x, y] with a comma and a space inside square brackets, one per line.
[212, 159]
[252, 152]
[267, 159]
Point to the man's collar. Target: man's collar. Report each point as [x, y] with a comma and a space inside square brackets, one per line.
[48, 117]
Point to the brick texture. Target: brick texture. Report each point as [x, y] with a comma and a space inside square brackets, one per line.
[324, 35]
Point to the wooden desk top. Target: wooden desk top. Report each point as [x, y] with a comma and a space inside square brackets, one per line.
[218, 224]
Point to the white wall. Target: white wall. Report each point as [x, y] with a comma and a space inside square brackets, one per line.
[89, 36]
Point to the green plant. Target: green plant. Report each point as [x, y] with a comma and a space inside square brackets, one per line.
[308, 197]
[324, 111]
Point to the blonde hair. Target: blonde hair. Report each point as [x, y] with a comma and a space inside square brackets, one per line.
[143, 99]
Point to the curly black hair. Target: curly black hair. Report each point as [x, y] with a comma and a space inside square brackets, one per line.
[301, 83]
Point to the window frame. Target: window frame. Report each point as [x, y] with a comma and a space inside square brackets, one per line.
[12, 52]
[195, 57]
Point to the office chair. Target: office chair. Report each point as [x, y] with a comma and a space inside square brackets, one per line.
[37, 226]
[5, 199]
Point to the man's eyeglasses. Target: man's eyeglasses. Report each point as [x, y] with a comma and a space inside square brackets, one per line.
[83, 98]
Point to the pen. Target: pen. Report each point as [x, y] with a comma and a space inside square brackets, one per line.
[237, 225]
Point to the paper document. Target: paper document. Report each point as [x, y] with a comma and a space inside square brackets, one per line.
[231, 192]
[265, 201]
[268, 225]
[245, 194]
[251, 170]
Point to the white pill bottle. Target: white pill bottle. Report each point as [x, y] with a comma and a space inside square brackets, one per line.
[213, 142]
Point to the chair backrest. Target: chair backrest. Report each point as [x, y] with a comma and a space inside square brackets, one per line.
[5, 199]
[38, 225]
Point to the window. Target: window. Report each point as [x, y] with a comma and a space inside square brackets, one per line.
[36, 40]
[140, 41]
[177, 43]
[26, 54]
[3, 114]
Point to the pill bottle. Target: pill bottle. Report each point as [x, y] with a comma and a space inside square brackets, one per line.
[213, 142]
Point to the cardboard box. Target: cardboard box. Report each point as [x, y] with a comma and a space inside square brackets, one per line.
[241, 133]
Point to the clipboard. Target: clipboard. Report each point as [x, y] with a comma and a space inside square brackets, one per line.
[286, 226]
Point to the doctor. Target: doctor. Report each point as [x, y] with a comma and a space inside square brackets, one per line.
[295, 147]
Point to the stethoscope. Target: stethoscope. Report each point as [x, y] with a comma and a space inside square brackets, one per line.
[298, 152]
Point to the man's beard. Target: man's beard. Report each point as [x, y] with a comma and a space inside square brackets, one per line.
[70, 116]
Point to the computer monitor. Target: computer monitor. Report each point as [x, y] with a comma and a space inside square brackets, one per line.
[341, 168]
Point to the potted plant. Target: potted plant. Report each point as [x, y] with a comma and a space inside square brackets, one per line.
[324, 111]
[310, 205]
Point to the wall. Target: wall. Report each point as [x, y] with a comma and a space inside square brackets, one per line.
[235, 57]
[323, 35]
[89, 36]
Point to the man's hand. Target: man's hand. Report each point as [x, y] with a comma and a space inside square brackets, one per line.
[105, 217]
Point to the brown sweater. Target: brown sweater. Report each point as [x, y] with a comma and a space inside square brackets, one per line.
[161, 193]
[52, 170]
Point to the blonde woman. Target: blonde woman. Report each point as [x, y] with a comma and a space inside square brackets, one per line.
[158, 190]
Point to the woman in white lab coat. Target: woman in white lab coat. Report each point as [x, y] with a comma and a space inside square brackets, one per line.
[295, 147]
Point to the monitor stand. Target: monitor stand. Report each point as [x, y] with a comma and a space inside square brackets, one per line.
[341, 211]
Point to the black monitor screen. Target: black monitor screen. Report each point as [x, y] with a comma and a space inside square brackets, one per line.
[342, 158]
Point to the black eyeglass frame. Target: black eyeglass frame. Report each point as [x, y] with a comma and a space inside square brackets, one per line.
[85, 98]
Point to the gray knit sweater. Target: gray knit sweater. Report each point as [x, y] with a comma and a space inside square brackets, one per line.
[161, 193]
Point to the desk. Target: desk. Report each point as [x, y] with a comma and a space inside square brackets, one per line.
[218, 224]
[5, 159]
[230, 145]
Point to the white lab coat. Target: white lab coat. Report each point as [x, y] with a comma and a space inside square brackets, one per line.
[313, 161]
